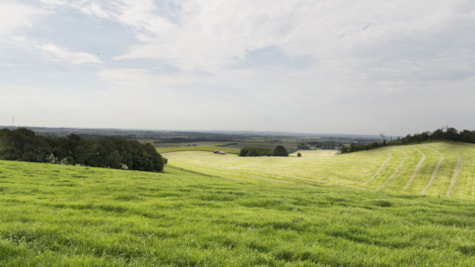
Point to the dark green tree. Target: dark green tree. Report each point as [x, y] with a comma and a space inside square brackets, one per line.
[452, 134]
[280, 151]
[110, 152]
[24, 145]
[254, 152]
[467, 136]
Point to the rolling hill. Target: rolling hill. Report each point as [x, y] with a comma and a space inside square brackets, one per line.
[436, 169]
[373, 208]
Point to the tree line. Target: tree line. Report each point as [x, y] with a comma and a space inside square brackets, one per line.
[109, 152]
[278, 151]
[444, 134]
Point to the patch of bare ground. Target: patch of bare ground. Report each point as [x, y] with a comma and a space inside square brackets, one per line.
[416, 171]
[435, 172]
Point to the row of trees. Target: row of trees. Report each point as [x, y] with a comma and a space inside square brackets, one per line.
[109, 152]
[444, 134]
[278, 151]
[360, 147]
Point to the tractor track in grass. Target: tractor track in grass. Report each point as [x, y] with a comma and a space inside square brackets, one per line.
[321, 182]
[422, 169]
[473, 187]
[453, 180]
[222, 174]
[435, 172]
[233, 178]
[395, 172]
[416, 171]
[390, 156]
[300, 175]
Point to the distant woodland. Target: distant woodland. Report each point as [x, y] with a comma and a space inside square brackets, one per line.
[447, 134]
[109, 152]
[278, 151]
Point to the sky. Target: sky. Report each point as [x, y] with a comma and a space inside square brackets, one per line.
[310, 66]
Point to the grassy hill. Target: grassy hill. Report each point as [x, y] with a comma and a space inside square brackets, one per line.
[435, 169]
[250, 212]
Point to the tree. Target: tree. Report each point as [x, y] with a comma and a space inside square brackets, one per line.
[254, 152]
[467, 136]
[345, 149]
[280, 151]
[110, 152]
[438, 135]
[452, 134]
[24, 145]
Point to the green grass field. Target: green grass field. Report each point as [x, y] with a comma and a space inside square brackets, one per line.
[436, 169]
[362, 209]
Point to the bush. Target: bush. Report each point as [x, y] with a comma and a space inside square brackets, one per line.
[280, 151]
[254, 152]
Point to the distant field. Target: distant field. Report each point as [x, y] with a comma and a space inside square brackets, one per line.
[269, 143]
[198, 148]
[53, 215]
[435, 169]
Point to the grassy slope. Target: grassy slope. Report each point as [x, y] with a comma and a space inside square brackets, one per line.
[63, 215]
[434, 169]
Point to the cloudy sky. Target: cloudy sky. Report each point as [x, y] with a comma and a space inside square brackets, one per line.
[313, 66]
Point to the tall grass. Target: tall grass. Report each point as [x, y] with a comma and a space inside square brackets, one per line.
[77, 216]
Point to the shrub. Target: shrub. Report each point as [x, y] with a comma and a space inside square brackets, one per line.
[254, 152]
[280, 151]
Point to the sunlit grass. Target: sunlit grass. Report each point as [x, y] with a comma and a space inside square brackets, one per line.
[79, 216]
[435, 169]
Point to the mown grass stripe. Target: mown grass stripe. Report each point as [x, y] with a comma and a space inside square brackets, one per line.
[453, 180]
[321, 182]
[435, 172]
[416, 170]
[473, 187]
[395, 172]
[267, 177]
[390, 156]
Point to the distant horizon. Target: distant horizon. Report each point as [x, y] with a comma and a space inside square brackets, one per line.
[179, 130]
[275, 133]
[359, 67]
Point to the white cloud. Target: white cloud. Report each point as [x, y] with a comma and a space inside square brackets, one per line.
[212, 34]
[14, 15]
[59, 53]
[342, 66]
[206, 35]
